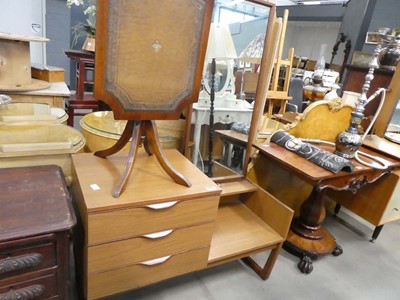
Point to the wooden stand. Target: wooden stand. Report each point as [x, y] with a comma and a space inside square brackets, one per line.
[141, 132]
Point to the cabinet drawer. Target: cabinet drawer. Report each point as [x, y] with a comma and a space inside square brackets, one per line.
[125, 223]
[44, 287]
[26, 255]
[127, 278]
[128, 252]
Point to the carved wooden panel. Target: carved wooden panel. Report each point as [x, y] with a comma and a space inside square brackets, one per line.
[149, 55]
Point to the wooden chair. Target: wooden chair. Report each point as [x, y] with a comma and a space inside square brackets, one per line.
[82, 101]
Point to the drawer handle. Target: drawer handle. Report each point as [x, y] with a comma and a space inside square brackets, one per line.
[30, 292]
[157, 235]
[155, 261]
[162, 205]
[11, 264]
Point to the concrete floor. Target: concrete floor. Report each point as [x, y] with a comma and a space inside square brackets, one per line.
[365, 271]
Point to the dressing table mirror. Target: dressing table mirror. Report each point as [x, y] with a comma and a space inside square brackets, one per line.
[238, 138]
[269, 26]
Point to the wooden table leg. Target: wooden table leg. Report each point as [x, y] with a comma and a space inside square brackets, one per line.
[136, 130]
[307, 238]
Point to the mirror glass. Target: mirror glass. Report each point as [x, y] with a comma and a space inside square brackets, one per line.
[246, 21]
[223, 77]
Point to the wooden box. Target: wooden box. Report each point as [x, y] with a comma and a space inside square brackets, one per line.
[36, 215]
[47, 73]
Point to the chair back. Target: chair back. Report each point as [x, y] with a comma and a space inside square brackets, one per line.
[296, 92]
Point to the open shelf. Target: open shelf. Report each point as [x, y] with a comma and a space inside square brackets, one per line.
[238, 233]
[236, 187]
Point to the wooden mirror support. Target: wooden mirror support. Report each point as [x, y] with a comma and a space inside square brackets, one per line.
[149, 63]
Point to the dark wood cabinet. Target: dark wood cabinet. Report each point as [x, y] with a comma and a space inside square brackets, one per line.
[355, 79]
[36, 216]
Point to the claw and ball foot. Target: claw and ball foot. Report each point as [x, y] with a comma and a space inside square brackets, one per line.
[305, 265]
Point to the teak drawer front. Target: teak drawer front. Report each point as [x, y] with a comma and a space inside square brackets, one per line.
[26, 255]
[44, 287]
[115, 281]
[125, 223]
[128, 252]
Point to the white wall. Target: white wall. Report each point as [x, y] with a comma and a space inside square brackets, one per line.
[306, 37]
[26, 17]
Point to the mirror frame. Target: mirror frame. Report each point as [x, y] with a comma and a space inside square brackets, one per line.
[272, 34]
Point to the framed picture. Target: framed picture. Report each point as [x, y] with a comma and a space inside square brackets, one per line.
[371, 38]
[361, 59]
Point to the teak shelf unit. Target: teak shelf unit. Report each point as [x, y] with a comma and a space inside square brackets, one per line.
[158, 229]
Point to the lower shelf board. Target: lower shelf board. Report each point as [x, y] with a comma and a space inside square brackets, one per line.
[239, 233]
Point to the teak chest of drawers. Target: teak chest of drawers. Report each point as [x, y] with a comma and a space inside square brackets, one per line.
[35, 218]
[158, 229]
[155, 230]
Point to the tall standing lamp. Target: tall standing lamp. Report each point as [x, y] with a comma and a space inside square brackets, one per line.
[220, 47]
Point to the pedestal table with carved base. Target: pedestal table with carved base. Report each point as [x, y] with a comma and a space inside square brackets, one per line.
[307, 238]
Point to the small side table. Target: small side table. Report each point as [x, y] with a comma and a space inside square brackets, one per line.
[84, 66]
[36, 216]
[230, 139]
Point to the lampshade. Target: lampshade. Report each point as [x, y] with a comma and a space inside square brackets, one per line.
[220, 43]
[254, 51]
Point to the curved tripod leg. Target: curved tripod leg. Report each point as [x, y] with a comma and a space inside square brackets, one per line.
[146, 143]
[123, 140]
[152, 138]
[130, 161]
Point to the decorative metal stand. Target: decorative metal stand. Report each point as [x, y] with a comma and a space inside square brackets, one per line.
[348, 141]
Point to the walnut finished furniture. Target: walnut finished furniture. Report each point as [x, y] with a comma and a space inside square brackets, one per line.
[84, 61]
[130, 72]
[307, 238]
[355, 78]
[157, 229]
[36, 217]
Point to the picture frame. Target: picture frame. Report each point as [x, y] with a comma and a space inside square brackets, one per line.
[371, 38]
